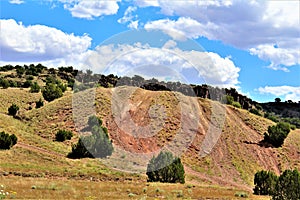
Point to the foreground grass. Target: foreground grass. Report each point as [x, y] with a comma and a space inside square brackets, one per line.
[42, 188]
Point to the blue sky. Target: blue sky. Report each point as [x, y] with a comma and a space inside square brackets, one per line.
[252, 46]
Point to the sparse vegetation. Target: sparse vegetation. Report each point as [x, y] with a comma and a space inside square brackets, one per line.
[7, 141]
[165, 168]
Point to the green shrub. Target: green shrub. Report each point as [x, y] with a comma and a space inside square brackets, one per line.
[277, 134]
[39, 103]
[165, 168]
[27, 84]
[4, 83]
[51, 92]
[35, 88]
[94, 121]
[227, 99]
[255, 111]
[13, 109]
[96, 145]
[236, 104]
[7, 141]
[63, 135]
[265, 182]
[241, 194]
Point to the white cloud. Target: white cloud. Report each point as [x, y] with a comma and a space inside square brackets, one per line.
[128, 17]
[90, 9]
[39, 43]
[16, 1]
[133, 24]
[288, 92]
[180, 29]
[243, 24]
[170, 44]
[146, 3]
[124, 59]
[279, 57]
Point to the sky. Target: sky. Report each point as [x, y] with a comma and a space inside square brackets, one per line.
[253, 46]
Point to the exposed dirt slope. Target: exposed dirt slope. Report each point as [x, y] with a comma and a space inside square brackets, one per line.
[221, 143]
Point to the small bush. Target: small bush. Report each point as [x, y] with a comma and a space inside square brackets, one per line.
[255, 111]
[63, 135]
[39, 103]
[241, 194]
[96, 145]
[236, 104]
[7, 141]
[4, 83]
[35, 88]
[277, 134]
[51, 92]
[27, 84]
[13, 109]
[94, 121]
[165, 168]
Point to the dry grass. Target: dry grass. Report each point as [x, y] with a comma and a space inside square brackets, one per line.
[41, 188]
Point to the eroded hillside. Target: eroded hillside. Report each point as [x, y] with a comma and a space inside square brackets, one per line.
[218, 144]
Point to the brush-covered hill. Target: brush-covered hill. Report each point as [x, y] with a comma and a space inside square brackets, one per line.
[221, 142]
[234, 159]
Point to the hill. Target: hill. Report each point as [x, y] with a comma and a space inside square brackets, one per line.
[215, 168]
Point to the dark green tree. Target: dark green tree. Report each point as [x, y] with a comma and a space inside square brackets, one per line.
[265, 182]
[13, 109]
[277, 134]
[80, 150]
[27, 84]
[51, 92]
[39, 103]
[277, 100]
[288, 186]
[7, 141]
[94, 121]
[96, 145]
[4, 83]
[63, 135]
[165, 168]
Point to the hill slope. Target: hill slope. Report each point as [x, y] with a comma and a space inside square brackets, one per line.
[233, 161]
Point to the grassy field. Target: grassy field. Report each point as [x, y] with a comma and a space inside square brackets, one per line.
[41, 188]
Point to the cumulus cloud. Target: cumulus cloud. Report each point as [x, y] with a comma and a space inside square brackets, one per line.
[180, 29]
[16, 1]
[39, 43]
[130, 18]
[90, 9]
[279, 57]
[124, 59]
[243, 24]
[288, 92]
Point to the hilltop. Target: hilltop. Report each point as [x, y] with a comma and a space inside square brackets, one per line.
[230, 163]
